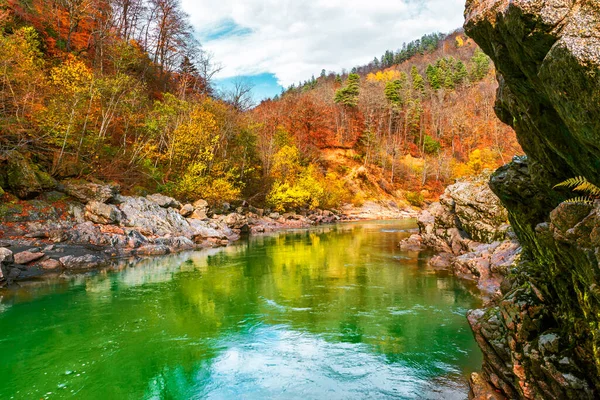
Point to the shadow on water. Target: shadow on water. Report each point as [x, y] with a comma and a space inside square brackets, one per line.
[333, 312]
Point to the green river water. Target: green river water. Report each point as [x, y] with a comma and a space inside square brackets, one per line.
[336, 312]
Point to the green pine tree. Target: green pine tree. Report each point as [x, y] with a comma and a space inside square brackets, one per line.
[348, 95]
[433, 77]
[418, 82]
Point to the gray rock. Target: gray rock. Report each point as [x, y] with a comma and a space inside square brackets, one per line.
[164, 201]
[151, 219]
[468, 212]
[202, 230]
[87, 191]
[100, 213]
[26, 257]
[236, 221]
[176, 243]
[153, 250]
[549, 343]
[6, 256]
[87, 261]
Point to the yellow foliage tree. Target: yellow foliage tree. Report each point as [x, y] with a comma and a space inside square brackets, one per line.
[195, 141]
[384, 76]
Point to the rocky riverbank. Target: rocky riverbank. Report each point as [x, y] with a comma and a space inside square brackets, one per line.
[469, 230]
[83, 225]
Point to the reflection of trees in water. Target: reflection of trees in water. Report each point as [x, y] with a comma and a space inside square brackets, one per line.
[341, 284]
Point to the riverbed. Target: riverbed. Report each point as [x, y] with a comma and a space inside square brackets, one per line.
[336, 312]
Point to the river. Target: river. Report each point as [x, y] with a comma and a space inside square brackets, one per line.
[336, 312]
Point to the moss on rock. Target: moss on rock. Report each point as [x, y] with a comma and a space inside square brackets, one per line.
[22, 177]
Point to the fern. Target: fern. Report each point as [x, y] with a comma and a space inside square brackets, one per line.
[580, 200]
[572, 183]
[582, 185]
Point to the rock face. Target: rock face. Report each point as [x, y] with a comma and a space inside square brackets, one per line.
[151, 219]
[542, 339]
[467, 212]
[469, 228]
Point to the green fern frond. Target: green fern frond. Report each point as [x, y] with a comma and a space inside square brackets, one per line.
[572, 183]
[580, 200]
[582, 185]
[588, 188]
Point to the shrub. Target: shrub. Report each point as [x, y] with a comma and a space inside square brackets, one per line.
[415, 199]
[196, 184]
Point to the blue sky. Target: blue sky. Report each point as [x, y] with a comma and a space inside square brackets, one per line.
[265, 85]
[274, 43]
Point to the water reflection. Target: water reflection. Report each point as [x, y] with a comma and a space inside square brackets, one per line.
[336, 312]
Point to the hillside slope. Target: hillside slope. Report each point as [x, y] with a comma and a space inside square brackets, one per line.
[414, 126]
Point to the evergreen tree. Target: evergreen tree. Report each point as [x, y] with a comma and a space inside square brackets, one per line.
[433, 77]
[418, 82]
[480, 65]
[393, 92]
[460, 73]
[449, 82]
[348, 95]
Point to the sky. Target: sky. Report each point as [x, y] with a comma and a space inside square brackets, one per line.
[276, 43]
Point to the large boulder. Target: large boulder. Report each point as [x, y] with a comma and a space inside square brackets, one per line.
[479, 211]
[468, 212]
[151, 219]
[100, 213]
[89, 191]
[26, 257]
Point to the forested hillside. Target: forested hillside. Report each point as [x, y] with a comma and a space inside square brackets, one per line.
[409, 128]
[120, 90]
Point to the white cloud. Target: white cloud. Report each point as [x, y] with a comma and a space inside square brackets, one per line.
[294, 39]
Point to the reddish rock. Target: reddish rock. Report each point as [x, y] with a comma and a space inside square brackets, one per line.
[26, 257]
[51, 264]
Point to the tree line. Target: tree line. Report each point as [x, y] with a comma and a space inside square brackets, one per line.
[121, 90]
